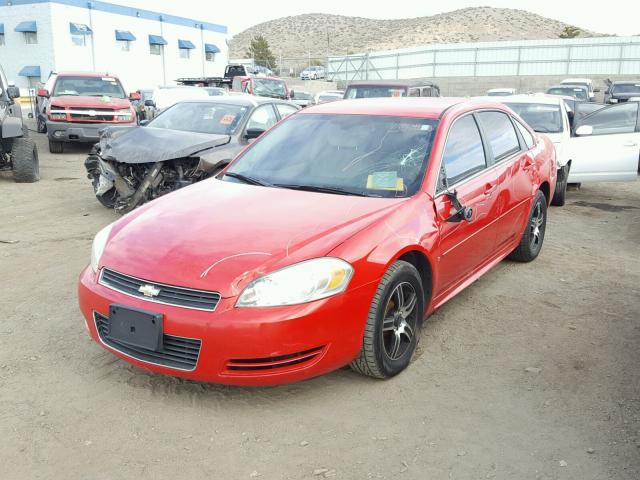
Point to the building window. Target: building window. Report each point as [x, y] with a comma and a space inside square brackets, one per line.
[185, 53]
[31, 37]
[125, 45]
[210, 57]
[1, 39]
[155, 49]
[79, 40]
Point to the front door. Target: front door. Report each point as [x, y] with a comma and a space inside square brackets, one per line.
[606, 146]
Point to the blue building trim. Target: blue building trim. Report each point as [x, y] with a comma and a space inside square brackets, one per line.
[128, 12]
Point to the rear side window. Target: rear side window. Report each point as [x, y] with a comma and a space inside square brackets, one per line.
[528, 138]
[500, 132]
[615, 119]
[464, 154]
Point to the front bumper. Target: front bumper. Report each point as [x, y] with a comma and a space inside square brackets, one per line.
[80, 132]
[246, 346]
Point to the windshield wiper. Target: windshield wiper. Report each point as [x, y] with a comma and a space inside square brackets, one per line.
[249, 180]
[320, 189]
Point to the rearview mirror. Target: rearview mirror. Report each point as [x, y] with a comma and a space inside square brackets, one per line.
[13, 92]
[43, 92]
[149, 103]
[253, 133]
[584, 130]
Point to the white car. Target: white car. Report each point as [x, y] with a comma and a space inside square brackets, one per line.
[587, 82]
[313, 73]
[501, 92]
[165, 97]
[328, 96]
[604, 147]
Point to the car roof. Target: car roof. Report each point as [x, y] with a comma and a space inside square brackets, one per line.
[85, 74]
[240, 100]
[626, 82]
[567, 85]
[393, 83]
[421, 107]
[577, 80]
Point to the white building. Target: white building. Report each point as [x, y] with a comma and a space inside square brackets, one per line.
[144, 48]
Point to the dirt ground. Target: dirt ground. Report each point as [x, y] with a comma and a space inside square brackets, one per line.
[531, 373]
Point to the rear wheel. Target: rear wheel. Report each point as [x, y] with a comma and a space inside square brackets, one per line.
[533, 235]
[393, 324]
[55, 147]
[24, 157]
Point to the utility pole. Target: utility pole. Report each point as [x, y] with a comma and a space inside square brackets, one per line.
[93, 52]
[203, 54]
[164, 70]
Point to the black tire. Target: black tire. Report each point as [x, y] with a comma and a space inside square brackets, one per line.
[55, 147]
[533, 235]
[560, 193]
[388, 345]
[24, 158]
[41, 125]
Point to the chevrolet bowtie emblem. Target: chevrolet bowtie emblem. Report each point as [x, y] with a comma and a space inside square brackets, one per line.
[149, 290]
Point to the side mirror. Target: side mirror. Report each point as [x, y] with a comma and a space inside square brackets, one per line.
[291, 94]
[134, 96]
[461, 212]
[13, 92]
[43, 92]
[596, 90]
[149, 103]
[144, 123]
[584, 130]
[253, 133]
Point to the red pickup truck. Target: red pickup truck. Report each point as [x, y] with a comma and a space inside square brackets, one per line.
[81, 103]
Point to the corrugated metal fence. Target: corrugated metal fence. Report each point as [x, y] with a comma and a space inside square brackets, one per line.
[577, 56]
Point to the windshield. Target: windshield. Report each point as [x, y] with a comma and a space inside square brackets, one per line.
[577, 93]
[269, 88]
[213, 118]
[88, 87]
[302, 96]
[375, 91]
[502, 93]
[328, 98]
[541, 117]
[378, 156]
[626, 88]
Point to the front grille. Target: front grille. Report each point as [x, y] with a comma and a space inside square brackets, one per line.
[167, 294]
[92, 118]
[176, 352]
[270, 363]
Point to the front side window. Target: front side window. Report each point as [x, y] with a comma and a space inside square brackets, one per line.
[464, 153]
[543, 118]
[285, 110]
[370, 155]
[155, 49]
[500, 133]
[211, 118]
[185, 53]
[262, 118]
[615, 119]
[31, 37]
[88, 87]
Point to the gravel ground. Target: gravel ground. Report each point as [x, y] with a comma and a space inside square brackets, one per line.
[531, 373]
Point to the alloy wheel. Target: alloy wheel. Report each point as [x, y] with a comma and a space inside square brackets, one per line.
[537, 226]
[400, 319]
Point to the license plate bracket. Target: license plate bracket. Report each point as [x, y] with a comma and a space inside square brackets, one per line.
[135, 327]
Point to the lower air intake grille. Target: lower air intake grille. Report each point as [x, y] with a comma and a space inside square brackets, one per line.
[177, 352]
[271, 363]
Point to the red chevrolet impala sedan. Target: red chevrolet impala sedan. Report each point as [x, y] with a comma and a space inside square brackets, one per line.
[327, 242]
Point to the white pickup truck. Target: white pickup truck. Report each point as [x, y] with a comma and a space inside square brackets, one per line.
[601, 144]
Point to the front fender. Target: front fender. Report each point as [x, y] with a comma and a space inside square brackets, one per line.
[11, 127]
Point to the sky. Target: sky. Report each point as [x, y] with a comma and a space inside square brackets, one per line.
[239, 15]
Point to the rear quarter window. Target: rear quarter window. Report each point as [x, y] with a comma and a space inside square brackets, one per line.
[500, 133]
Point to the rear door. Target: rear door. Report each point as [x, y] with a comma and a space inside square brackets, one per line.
[464, 246]
[610, 149]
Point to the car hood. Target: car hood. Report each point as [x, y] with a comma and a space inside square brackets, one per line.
[70, 101]
[148, 144]
[219, 236]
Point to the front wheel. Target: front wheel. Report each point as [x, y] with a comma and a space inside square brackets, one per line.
[55, 147]
[533, 235]
[393, 325]
[560, 193]
[24, 157]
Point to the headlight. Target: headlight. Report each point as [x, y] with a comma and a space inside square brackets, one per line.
[57, 115]
[300, 283]
[99, 242]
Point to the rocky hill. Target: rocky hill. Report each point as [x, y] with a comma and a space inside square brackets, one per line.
[317, 33]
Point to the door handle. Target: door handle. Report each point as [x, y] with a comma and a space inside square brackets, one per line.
[631, 144]
[490, 188]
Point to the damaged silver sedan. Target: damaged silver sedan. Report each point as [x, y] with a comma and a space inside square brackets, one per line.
[188, 142]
